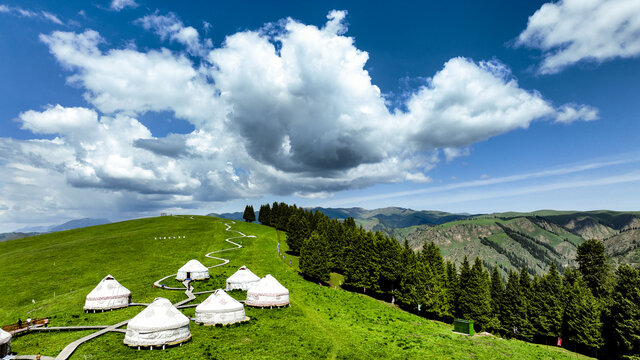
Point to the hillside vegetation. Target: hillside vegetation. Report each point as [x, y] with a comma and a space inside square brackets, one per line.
[50, 275]
[532, 240]
[592, 306]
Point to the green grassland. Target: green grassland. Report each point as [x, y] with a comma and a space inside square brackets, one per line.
[321, 322]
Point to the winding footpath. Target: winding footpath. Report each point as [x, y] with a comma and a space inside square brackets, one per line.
[187, 288]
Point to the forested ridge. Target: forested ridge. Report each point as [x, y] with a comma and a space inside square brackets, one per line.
[593, 308]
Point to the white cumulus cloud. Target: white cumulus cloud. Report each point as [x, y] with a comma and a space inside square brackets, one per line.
[57, 119]
[466, 102]
[170, 27]
[131, 81]
[118, 5]
[451, 153]
[570, 113]
[570, 31]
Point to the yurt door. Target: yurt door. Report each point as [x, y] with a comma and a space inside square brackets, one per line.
[188, 275]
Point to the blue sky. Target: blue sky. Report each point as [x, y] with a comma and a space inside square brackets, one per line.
[123, 109]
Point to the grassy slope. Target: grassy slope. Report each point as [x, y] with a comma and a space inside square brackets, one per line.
[321, 322]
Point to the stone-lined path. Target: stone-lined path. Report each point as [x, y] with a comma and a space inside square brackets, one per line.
[188, 290]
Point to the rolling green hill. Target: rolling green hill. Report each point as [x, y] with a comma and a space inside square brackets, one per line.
[49, 276]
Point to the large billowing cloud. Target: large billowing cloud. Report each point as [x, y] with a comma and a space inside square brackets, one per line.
[570, 31]
[288, 109]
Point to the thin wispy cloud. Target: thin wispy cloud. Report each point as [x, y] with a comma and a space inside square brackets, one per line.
[26, 13]
[535, 189]
[549, 173]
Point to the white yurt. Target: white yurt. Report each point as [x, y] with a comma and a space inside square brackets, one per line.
[160, 324]
[193, 270]
[5, 343]
[242, 279]
[108, 295]
[220, 308]
[267, 292]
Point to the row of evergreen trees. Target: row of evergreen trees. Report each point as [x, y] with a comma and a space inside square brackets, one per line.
[593, 310]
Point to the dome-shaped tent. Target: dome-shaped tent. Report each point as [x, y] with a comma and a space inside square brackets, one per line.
[242, 279]
[108, 295]
[220, 308]
[267, 292]
[5, 343]
[159, 324]
[193, 270]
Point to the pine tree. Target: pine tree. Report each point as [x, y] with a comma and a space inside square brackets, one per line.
[475, 294]
[407, 292]
[314, 258]
[338, 242]
[350, 223]
[464, 304]
[526, 328]
[436, 304]
[497, 291]
[594, 267]
[512, 308]
[390, 267]
[547, 304]
[299, 233]
[284, 215]
[249, 215]
[375, 261]
[479, 293]
[623, 328]
[581, 320]
[452, 287]
[264, 216]
[358, 267]
[275, 215]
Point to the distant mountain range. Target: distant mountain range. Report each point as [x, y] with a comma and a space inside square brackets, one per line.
[510, 240]
[69, 225]
[385, 219]
[231, 216]
[391, 218]
[78, 223]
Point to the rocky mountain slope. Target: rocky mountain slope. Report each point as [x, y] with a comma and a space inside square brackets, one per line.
[532, 240]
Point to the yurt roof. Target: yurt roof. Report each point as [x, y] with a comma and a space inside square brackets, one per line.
[4, 337]
[108, 286]
[268, 285]
[219, 301]
[159, 315]
[193, 265]
[243, 274]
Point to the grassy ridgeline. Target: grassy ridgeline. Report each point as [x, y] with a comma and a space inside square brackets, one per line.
[321, 322]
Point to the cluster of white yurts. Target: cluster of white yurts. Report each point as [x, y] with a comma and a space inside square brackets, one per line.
[161, 324]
